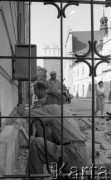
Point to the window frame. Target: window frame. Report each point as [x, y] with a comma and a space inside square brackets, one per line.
[92, 3]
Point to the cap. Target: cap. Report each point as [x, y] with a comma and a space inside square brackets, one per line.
[52, 72]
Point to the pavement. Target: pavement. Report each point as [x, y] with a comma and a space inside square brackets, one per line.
[102, 137]
[89, 99]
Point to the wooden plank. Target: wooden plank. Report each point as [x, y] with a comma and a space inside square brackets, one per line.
[86, 121]
[23, 132]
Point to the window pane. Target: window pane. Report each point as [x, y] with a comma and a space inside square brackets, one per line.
[45, 29]
[64, 51]
[14, 134]
[77, 29]
[102, 26]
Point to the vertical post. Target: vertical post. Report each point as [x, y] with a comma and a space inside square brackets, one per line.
[93, 89]
[29, 60]
[0, 119]
[61, 43]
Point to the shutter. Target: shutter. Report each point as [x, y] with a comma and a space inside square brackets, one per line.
[22, 65]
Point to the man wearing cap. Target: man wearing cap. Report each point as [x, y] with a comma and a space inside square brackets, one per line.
[53, 84]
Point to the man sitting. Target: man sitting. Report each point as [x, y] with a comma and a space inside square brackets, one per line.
[74, 148]
[45, 97]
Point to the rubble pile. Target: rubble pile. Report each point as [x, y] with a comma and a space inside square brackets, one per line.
[102, 142]
[102, 139]
[22, 160]
[24, 149]
[23, 145]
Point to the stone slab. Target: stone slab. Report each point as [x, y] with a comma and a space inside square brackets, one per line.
[3, 154]
[9, 147]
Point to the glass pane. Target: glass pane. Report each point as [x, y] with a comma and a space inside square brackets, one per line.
[102, 84]
[51, 65]
[45, 29]
[85, 126]
[15, 94]
[14, 145]
[14, 131]
[79, 84]
[102, 127]
[8, 30]
[77, 30]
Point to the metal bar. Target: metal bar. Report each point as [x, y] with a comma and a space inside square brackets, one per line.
[61, 43]
[77, 116]
[48, 57]
[29, 81]
[0, 120]
[93, 104]
[69, 1]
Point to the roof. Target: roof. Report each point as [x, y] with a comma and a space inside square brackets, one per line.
[80, 40]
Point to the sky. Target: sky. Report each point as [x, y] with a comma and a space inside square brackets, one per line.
[45, 26]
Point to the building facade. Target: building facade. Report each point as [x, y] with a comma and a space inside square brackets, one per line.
[52, 64]
[106, 67]
[13, 30]
[77, 43]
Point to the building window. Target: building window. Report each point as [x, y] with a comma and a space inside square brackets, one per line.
[74, 72]
[77, 72]
[74, 88]
[89, 86]
[82, 70]
[77, 87]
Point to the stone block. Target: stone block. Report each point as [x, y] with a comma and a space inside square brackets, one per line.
[3, 154]
[9, 147]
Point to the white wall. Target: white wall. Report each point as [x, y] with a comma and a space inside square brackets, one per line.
[81, 80]
[8, 87]
[8, 96]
